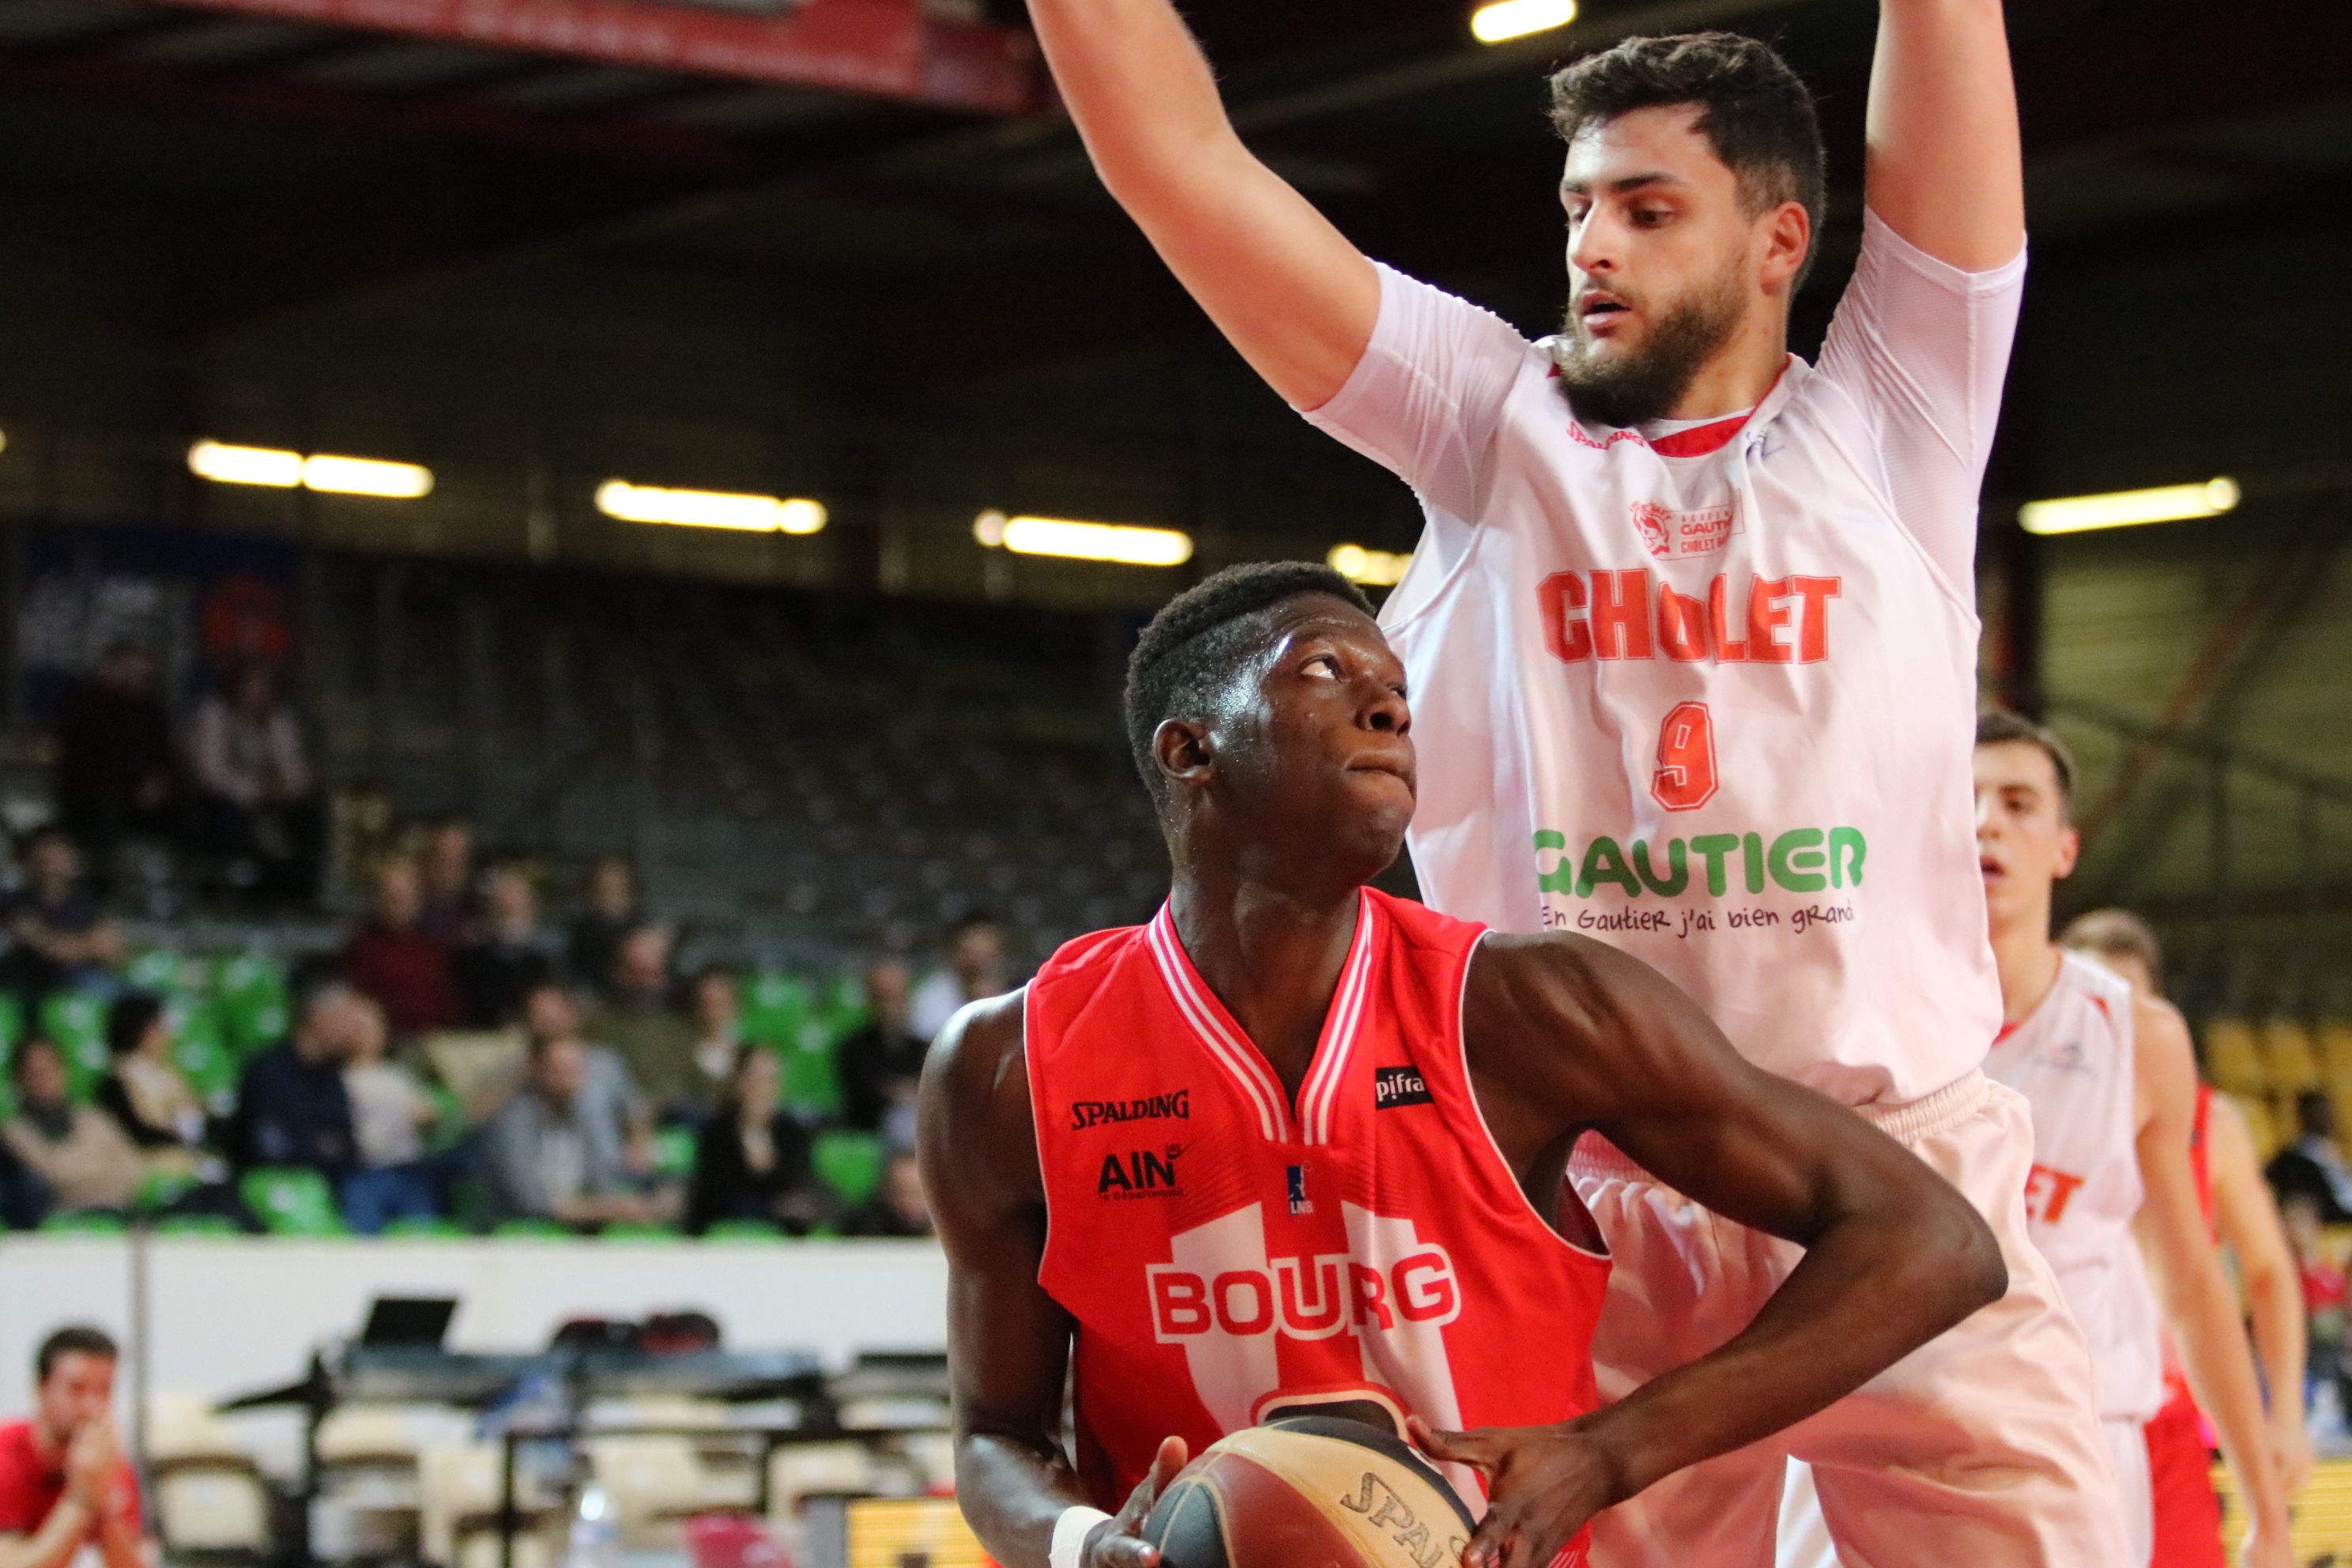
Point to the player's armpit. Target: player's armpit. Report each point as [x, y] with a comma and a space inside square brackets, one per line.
[1565, 1035]
[1008, 1341]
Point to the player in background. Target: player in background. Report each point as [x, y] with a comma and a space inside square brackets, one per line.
[1154, 1166]
[1692, 634]
[2112, 1078]
[2241, 1216]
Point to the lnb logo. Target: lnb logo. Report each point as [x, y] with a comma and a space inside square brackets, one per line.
[1140, 1173]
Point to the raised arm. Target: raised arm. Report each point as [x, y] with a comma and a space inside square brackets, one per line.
[1293, 295]
[2189, 1286]
[1564, 1034]
[1942, 163]
[1008, 1341]
[2249, 1227]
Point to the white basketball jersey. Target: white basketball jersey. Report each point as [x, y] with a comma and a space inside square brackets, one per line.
[2072, 1059]
[1715, 709]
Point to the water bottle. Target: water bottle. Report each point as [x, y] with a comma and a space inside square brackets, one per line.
[595, 1532]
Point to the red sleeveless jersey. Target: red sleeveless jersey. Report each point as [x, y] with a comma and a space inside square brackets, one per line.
[1227, 1253]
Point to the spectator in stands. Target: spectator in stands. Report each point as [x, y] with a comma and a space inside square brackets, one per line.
[66, 1486]
[880, 1065]
[2324, 1298]
[595, 941]
[975, 969]
[292, 1106]
[77, 1150]
[115, 777]
[715, 1002]
[551, 1013]
[391, 959]
[145, 1094]
[508, 954]
[751, 1158]
[64, 940]
[653, 1040]
[24, 1196]
[255, 803]
[446, 860]
[558, 1151]
[898, 1207]
[2312, 1167]
[390, 1114]
[2122, 941]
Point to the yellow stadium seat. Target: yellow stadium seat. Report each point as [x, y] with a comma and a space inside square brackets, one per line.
[2336, 1053]
[2287, 1048]
[2230, 1057]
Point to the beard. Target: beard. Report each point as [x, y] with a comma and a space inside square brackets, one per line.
[1643, 383]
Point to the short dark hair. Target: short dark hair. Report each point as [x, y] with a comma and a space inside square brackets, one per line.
[74, 1339]
[2115, 933]
[1192, 645]
[128, 1020]
[1999, 727]
[1755, 113]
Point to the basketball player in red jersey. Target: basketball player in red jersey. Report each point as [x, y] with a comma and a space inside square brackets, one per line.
[1296, 1145]
[1691, 631]
[2114, 1196]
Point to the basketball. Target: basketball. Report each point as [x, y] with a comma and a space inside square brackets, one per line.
[1314, 1491]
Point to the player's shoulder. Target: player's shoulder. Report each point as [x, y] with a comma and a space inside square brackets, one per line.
[978, 1047]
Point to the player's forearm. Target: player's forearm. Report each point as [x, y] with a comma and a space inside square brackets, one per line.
[1012, 1490]
[2275, 1304]
[54, 1544]
[2213, 1353]
[121, 1543]
[1138, 89]
[1872, 1288]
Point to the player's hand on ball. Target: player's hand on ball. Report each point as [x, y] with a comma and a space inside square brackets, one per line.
[1542, 1484]
[1120, 1543]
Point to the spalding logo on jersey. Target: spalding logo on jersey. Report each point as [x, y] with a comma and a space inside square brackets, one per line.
[1232, 1308]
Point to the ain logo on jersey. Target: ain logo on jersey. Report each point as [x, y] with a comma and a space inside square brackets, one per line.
[1140, 1173]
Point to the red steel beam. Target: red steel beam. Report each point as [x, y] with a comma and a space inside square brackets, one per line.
[883, 48]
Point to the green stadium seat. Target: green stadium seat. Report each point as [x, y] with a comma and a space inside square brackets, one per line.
[292, 1201]
[166, 973]
[197, 1224]
[811, 1080]
[78, 1023]
[637, 1232]
[159, 1189]
[774, 1007]
[249, 992]
[674, 1152]
[849, 1163]
[199, 1051]
[532, 1230]
[743, 1230]
[84, 1223]
[412, 1229]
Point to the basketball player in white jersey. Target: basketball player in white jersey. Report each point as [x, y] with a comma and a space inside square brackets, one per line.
[2113, 1083]
[1692, 636]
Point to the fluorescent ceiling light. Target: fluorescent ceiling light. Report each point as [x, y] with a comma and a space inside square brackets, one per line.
[324, 472]
[1517, 18]
[1122, 543]
[2122, 509]
[1373, 568]
[709, 508]
[366, 476]
[227, 465]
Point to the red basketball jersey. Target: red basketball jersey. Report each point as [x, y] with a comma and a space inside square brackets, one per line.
[1227, 1252]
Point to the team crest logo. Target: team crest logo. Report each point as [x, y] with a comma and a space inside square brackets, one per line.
[1674, 535]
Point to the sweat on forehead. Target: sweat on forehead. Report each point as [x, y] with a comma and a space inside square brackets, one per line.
[1200, 638]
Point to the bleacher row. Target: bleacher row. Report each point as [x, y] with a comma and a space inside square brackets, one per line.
[227, 1008]
[2264, 1066]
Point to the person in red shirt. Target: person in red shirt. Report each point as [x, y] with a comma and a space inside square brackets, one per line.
[64, 1482]
[393, 959]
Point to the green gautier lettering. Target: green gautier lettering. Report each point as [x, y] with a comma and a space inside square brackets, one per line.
[1800, 860]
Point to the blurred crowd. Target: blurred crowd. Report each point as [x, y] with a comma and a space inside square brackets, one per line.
[462, 1062]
